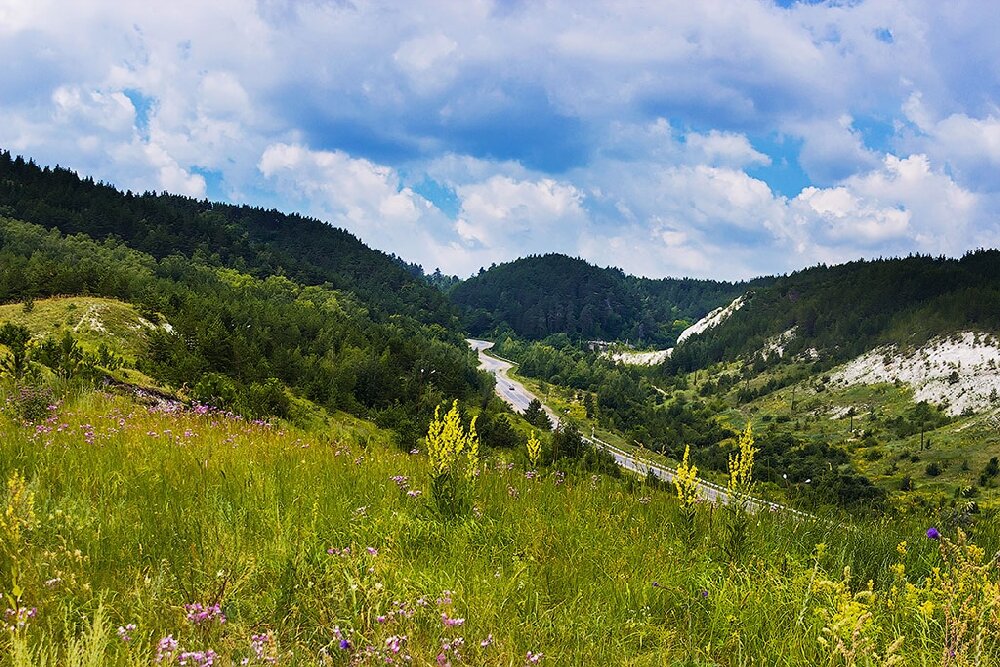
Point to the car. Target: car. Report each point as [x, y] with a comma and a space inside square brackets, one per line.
[510, 387]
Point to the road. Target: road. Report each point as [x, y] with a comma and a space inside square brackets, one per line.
[510, 390]
[515, 394]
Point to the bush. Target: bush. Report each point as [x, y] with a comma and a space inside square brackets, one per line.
[32, 403]
[932, 469]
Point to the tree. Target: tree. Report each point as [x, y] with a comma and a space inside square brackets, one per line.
[535, 415]
[16, 338]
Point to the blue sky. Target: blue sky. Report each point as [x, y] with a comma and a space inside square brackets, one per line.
[723, 138]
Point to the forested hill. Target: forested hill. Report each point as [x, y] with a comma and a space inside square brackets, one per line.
[540, 295]
[253, 240]
[842, 311]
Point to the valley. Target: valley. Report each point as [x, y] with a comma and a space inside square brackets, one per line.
[233, 449]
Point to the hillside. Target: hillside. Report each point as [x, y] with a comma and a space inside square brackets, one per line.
[252, 240]
[538, 296]
[142, 534]
[92, 321]
[833, 314]
[229, 339]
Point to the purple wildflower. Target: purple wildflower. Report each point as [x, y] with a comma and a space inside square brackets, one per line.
[166, 648]
[199, 614]
[933, 534]
[125, 632]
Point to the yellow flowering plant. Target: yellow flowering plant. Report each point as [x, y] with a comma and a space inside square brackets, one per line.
[454, 458]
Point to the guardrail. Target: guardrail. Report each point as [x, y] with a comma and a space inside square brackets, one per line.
[668, 473]
[721, 492]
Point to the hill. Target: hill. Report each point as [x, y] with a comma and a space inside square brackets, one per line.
[541, 295]
[251, 240]
[835, 313]
[224, 337]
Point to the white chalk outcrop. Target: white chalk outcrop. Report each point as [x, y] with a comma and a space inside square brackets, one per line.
[960, 372]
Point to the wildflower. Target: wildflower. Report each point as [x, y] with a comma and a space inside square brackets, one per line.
[197, 658]
[125, 632]
[199, 614]
[263, 648]
[166, 648]
[402, 481]
[531, 474]
[344, 644]
[704, 593]
[534, 449]
[686, 481]
[414, 493]
[487, 642]
[372, 551]
[532, 658]
[380, 619]
[741, 464]
[448, 442]
[17, 619]
[451, 622]
[395, 643]
[933, 534]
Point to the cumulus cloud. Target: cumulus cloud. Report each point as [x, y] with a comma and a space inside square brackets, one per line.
[652, 137]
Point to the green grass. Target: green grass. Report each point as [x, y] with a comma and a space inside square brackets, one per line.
[961, 448]
[91, 320]
[153, 511]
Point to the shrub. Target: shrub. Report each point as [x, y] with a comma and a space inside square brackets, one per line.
[32, 403]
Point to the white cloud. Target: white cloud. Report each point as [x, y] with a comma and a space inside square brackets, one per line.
[342, 109]
[724, 148]
[533, 216]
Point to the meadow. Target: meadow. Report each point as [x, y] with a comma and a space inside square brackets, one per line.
[136, 530]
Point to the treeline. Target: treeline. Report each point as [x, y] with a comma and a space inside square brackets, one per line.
[232, 333]
[843, 311]
[541, 295]
[251, 240]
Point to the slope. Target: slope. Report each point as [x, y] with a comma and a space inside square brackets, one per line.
[253, 240]
[833, 314]
[541, 295]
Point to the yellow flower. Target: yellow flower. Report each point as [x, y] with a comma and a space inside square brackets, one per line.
[686, 481]
[534, 449]
[741, 463]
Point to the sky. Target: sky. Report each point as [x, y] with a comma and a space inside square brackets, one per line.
[721, 138]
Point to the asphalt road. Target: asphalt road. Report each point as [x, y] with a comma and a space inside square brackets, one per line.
[515, 394]
[510, 390]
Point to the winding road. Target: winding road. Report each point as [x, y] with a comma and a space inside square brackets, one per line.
[515, 394]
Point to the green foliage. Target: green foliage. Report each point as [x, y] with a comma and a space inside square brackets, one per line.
[320, 342]
[16, 338]
[843, 311]
[255, 241]
[535, 415]
[538, 296]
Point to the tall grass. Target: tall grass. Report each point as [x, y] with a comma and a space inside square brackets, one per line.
[322, 548]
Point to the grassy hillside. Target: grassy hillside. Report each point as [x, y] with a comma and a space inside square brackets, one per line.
[323, 548]
[91, 320]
